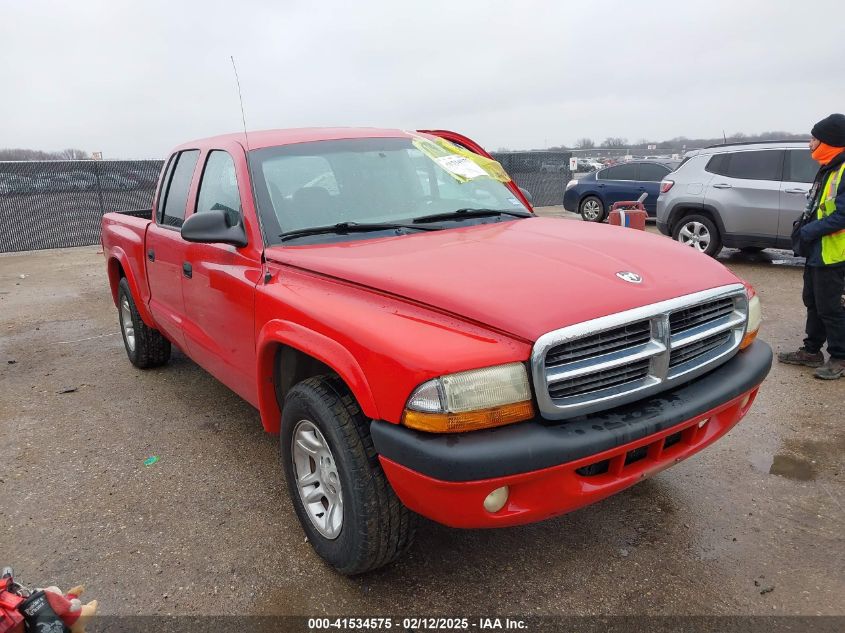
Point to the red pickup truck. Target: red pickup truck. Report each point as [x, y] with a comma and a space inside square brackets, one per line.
[419, 339]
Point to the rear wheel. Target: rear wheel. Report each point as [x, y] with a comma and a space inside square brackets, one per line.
[145, 346]
[591, 209]
[698, 232]
[351, 515]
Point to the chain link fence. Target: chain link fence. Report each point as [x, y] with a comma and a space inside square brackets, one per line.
[58, 204]
[543, 174]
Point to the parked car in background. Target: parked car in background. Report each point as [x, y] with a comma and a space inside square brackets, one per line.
[15, 184]
[117, 182]
[72, 181]
[593, 195]
[743, 195]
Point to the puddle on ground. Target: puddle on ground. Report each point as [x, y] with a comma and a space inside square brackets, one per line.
[784, 465]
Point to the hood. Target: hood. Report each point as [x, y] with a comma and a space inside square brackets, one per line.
[524, 277]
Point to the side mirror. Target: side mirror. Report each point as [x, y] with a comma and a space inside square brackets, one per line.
[215, 226]
[527, 195]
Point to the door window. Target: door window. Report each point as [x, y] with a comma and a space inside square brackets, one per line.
[176, 198]
[755, 165]
[652, 172]
[800, 166]
[627, 171]
[219, 185]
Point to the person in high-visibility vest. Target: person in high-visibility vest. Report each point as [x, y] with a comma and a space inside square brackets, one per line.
[823, 239]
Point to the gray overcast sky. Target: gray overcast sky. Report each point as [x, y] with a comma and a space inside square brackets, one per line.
[133, 79]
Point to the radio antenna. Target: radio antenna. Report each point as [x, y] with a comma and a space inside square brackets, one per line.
[241, 99]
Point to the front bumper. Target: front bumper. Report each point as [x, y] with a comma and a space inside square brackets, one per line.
[554, 467]
[663, 227]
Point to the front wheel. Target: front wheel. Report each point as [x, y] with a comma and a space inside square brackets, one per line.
[351, 515]
[592, 209]
[698, 232]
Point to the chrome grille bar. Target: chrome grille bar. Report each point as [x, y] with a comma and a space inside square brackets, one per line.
[612, 360]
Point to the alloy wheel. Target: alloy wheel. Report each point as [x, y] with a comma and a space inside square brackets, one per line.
[317, 479]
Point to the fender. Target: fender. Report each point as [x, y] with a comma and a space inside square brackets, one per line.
[319, 346]
[118, 255]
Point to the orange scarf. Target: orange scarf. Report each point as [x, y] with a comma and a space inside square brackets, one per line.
[825, 153]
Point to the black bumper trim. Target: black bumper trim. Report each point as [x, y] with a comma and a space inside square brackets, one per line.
[536, 444]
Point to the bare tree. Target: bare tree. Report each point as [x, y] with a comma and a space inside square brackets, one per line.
[585, 143]
[614, 142]
[72, 154]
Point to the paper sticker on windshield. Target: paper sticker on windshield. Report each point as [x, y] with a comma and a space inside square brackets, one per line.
[460, 166]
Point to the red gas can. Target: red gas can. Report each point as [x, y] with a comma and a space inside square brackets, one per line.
[629, 213]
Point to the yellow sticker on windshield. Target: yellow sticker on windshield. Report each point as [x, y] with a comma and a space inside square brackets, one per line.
[462, 164]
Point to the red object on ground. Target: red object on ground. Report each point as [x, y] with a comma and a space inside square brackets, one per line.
[628, 213]
[11, 620]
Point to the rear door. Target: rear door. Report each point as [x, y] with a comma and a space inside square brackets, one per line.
[746, 192]
[619, 183]
[799, 170]
[650, 175]
[220, 291]
[165, 248]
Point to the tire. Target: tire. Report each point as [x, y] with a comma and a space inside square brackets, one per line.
[146, 347]
[592, 209]
[698, 232]
[320, 413]
[751, 250]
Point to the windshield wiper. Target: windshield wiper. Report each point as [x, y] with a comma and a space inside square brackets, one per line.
[470, 212]
[354, 227]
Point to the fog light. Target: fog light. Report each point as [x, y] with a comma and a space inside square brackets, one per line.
[497, 499]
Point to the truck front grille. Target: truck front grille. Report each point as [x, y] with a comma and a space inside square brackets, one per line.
[601, 343]
[620, 358]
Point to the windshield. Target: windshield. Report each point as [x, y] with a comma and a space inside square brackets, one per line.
[373, 180]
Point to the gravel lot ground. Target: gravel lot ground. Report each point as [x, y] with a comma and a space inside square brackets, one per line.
[753, 525]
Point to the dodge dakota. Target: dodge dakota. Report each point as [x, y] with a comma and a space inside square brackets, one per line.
[420, 340]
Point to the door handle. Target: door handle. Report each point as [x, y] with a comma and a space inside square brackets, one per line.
[722, 185]
[151, 255]
[796, 190]
[187, 269]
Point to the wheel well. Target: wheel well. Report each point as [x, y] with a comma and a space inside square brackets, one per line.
[291, 367]
[116, 273]
[590, 194]
[680, 213]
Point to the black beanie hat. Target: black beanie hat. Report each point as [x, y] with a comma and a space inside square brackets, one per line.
[831, 130]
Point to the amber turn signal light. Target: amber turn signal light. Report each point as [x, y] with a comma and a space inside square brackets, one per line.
[468, 420]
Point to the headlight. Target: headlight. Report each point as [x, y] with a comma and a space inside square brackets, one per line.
[755, 318]
[470, 400]
[571, 184]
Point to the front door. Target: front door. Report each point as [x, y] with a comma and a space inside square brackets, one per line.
[220, 291]
[165, 248]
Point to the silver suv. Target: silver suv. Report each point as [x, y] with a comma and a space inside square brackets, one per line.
[741, 195]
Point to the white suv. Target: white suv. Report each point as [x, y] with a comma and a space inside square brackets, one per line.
[741, 195]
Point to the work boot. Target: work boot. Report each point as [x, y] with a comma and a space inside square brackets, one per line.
[802, 357]
[831, 370]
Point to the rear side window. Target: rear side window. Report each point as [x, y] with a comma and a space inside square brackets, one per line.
[176, 197]
[619, 172]
[652, 172]
[219, 185]
[799, 166]
[756, 165]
